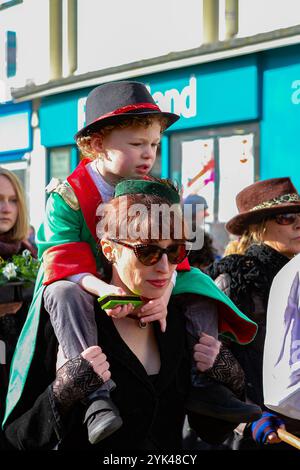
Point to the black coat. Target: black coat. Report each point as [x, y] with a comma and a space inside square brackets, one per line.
[251, 277]
[153, 414]
[11, 325]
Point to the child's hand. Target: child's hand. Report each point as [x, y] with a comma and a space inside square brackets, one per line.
[111, 289]
[120, 311]
[98, 361]
[206, 351]
[155, 309]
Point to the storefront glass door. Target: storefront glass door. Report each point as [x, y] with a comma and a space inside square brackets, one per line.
[216, 164]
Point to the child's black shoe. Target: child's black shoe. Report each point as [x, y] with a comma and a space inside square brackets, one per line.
[102, 419]
[217, 401]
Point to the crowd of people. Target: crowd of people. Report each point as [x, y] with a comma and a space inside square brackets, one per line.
[124, 376]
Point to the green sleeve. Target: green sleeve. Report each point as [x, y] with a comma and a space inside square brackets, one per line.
[62, 224]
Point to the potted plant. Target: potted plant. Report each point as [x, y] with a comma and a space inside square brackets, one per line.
[17, 277]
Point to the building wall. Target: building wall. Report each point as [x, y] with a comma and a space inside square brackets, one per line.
[119, 32]
[30, 21]
[256, 16]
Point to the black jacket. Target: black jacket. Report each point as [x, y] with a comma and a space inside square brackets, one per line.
[152, 414]
[251, 277]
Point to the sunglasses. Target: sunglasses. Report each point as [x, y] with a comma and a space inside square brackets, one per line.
[149, 255]
[286, 219]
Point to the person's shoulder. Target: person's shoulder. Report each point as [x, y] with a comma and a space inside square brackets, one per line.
[177, 305]
[229, 264]
[223, 282]
[65, 191]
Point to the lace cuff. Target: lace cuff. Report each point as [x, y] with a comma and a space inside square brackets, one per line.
[74, 381]
[227, 370]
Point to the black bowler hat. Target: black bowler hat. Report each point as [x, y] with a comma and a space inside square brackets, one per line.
[116, 101]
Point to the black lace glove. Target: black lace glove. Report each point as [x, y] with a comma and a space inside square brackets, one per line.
[227, 370]
[75, 380]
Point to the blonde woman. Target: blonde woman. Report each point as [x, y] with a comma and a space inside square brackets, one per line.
[13, 233]
[268, 224]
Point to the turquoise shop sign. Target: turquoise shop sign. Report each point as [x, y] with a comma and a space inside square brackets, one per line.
[280, 124]
[208, 95]
[205, 95]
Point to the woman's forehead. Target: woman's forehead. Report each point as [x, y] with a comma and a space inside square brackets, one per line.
[6, 186]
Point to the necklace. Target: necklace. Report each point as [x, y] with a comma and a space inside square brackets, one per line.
[141, 324]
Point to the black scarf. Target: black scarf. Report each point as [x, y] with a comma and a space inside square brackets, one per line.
[9, 247]
[253, 271]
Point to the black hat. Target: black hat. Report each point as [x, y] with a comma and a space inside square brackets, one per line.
[112, 102]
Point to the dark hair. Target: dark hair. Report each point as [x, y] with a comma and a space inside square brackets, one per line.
[158, 218]
[205, 256]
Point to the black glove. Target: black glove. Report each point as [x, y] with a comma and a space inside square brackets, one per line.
[75, 380]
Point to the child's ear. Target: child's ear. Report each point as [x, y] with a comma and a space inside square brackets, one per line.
[96, 142]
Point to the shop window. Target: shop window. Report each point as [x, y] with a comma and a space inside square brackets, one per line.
[61, 162]
[236, 170]
[198, 170]
[19, 169]
[216, 164]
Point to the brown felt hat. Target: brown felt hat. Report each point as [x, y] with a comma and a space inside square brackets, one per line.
[261, 200]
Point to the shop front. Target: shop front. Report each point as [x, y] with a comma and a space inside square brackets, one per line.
[239, 122]
[212, 150]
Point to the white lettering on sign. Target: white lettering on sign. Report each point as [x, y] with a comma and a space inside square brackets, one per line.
[184, 103]
[296, 94]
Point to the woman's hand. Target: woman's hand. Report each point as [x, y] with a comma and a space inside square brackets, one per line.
[10, 308]
[79, 377]
[206, 351]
